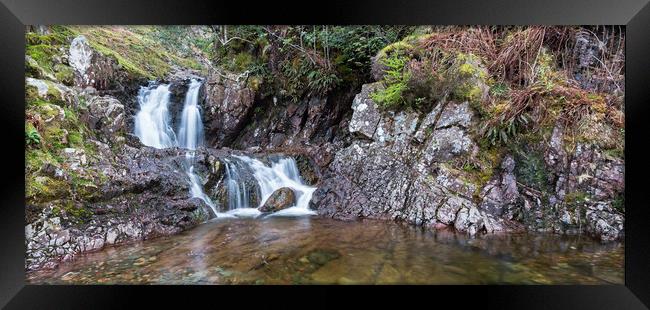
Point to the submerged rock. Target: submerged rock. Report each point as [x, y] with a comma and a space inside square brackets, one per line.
[282, 198]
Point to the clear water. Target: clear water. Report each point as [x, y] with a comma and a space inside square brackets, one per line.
[311, 250]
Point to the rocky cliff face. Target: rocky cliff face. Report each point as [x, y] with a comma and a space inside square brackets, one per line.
[396, 168]
[403, 166]
[238, 117]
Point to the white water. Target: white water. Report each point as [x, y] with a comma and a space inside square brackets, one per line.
[196, 188]
[281, 173]
[237, 192]
[152, 123]
[153, 127]
[190, 131]
[190, 137]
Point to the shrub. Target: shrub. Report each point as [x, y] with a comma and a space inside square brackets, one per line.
[32, 137]
[395, 79]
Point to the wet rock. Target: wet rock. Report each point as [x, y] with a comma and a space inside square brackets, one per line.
[227, 105]
[469, 220]
[308, 170]
[322, 256]
[500, 195]
[282, 198]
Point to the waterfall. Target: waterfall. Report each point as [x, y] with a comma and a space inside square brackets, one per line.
[283, 172]
[190, 131]
[238, 196]
[196, 186]
[190, 137]
[153, 127]
[152, 122]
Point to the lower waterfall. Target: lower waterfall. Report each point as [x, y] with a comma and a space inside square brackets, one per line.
[283, 172]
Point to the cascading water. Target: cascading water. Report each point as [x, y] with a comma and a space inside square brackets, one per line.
[238, 196]
[190, 137]
[153, 127]
[152, 123]
[190, 131]
[282, 173]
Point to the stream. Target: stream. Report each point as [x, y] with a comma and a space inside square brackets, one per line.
[312, 250]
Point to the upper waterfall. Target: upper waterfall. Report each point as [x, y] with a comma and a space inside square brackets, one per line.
[152, 122]
[190, 131]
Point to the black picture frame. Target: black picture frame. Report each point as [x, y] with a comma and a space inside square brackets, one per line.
[634, 14]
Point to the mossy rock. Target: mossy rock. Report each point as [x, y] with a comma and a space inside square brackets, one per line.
[37, 158]
[44, 188]
[64, 74]
[71, 211]
[470, 79]
[86, 187]
[43, 55]
[32, 68]
[49, 92]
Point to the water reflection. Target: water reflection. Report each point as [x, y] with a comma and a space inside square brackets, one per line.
[304, 250]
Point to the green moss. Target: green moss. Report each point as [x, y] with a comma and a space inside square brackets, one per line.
[43, 188]
[55, 137]
[42, 50]
[467, 70]
[531, 169]
[242, 61]
[395, 82]
[465, 75]
[573, 199]
[37, 158]
[64, 74]
[31, 94]
[615, 153]
[399, 47]
[53, 95]
[619, 203]
[72, 211]
[75, 139]
[45, 109]
[84, 187]
[135, 49]
[127, 64]
[43, 55]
